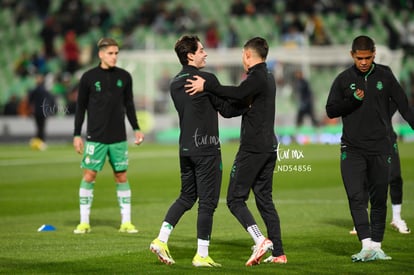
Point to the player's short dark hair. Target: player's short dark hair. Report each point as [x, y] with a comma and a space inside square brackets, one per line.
[363, 43]
[185, 45]
[259, 45]
[106, 42]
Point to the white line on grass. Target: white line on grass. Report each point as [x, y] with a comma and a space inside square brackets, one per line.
[72, 159]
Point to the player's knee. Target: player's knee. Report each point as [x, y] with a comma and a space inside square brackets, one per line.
[208, 206]
[121, 176]
[234, 205]
[89, 176]
[186, 202]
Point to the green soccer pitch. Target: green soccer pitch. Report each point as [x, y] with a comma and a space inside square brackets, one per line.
[42, 188]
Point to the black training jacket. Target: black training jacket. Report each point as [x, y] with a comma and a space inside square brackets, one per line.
[106, 96]
[198, 117]
[257, 127]
[366, 123]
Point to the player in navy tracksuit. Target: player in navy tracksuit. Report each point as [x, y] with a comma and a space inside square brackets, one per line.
[361, 95]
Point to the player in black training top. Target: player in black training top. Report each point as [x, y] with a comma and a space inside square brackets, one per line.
[105, 96]
[200, 155]
[256, 159]
[361, 95]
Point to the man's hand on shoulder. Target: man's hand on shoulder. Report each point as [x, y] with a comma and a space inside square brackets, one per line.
[194, 86]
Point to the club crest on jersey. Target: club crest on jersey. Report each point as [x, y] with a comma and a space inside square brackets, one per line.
[98, 86]
[380, 86]
[119, 83]
[352, 86]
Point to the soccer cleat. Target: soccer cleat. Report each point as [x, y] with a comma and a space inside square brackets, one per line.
[199, 261]
[364, 255]
[161, 250]
[128, 227]
[353, 231]
[276, 260]
[400, 226]
[380, 255]
[259, 251]
[82, 228]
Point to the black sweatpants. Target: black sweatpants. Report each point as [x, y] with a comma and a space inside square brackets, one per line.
[396, 182]
[200, 179]
[366, 177]
[254, 171]
[40, 121]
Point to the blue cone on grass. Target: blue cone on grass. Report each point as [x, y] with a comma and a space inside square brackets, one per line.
[46, 227]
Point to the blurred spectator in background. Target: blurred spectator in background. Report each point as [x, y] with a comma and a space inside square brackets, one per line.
[71, 98]
[60, 88]
[71, 52]
[31, 63]
[366, 18]
[304, 93]
[10, 108]
[291, 29]
[280, 25]
[187, 21]
[238, 8]
[39, 62]
[407, 35]
[163, 99]
[22, 66]
[212, 35]
[23, 109]
[296, 22]
[250, 8]
[102, 19]
[315, 30]
[41, 7]
[351, 14]
[304, 6]
[393, 37]
[42, 105]
[293, 38]
[161, 24]
[232, 39]
[71, 16]
[48, 34]
[264, 6]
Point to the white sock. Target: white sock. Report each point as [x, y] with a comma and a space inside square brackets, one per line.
[366, 243]
[396, 212]
[85, 200]
[202, 247]
[123, 192]
[256, 234]
[375, 245]
[165, 232]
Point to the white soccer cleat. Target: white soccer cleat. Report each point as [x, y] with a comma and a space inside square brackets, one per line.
[400, 226]
[259, 251]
